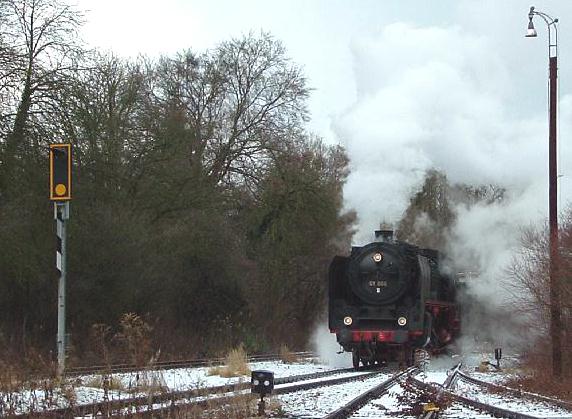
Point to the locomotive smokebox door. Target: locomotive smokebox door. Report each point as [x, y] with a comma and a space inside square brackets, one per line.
[262, 382]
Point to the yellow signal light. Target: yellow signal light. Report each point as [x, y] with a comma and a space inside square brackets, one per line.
[61, 189]
[60, 172]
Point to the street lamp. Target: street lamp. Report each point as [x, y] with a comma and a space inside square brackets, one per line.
[555, 306]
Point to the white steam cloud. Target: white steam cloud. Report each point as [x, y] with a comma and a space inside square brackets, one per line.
[440, 97]
[428, 98]
[325, 345]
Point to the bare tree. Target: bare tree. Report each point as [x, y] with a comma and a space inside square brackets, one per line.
[236, 104]
[529, 281]
[43, 40]
[97, 110]
[266, 99]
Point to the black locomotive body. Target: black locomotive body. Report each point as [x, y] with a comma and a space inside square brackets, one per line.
[388, 299]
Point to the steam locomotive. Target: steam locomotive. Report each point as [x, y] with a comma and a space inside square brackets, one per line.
[389, 299]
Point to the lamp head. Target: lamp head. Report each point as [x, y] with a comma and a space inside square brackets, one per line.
[531, 32]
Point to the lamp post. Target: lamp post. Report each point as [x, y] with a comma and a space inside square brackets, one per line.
[555, 306]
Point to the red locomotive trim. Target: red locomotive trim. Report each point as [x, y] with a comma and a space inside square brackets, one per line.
[380, 335]
[371, 335]
[436, 306]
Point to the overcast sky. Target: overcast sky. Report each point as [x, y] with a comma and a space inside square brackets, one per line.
[403, 85]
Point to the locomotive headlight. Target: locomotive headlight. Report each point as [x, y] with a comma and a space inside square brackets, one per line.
[348, 320]
[402, 321]
[378, 257]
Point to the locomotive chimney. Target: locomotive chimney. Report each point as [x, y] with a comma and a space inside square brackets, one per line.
[384, 235]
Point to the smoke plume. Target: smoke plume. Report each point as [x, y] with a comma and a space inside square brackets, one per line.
[439, 97]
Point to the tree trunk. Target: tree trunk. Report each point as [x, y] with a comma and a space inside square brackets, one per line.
[17, 136]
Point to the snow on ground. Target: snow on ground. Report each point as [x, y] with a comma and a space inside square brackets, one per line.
[319, 402]
[492, 377]
[87, 389]
[194, 378]
[431, 376]
[189, 378]
[309, 403]
[387, 405]
[509, 402]
[390, 406]
[459, 411]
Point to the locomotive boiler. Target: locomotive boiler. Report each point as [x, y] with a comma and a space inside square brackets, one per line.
[388, 299]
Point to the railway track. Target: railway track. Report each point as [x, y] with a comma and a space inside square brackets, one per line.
[44, 399]
[366, 404]
[492, 408]
[306, 382]
[479, 406]
[452, 378]
[355, 404]
[515, 402]
[167, 365]
[439, 400]
[432, 400]
[444, 402]
[166, 401]
[514, 392]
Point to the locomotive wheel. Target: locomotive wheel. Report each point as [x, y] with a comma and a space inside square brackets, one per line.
[409, 357]
[421, 358]
[355, 359]
[406, 357]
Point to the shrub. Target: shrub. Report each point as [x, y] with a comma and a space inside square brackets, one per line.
[236, 364]
[287, 356]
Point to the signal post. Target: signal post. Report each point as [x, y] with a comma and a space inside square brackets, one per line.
[60, 194]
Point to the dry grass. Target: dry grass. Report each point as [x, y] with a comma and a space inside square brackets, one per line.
[541, 382]
[22, 392]
[287, 356]
[236, 364]
[242, 406]
[135, 336]
[151, 382]
[537, 376]
[107, 382]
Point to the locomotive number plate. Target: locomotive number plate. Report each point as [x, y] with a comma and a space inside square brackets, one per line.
[377, 284]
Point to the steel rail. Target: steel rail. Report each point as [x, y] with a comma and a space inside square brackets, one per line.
[355, 404]
[324, 383]
[492, 410]
[180, 404]
[449, 382]
[277, 391]
[515, 392]
[166, 365]
[115, 405]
